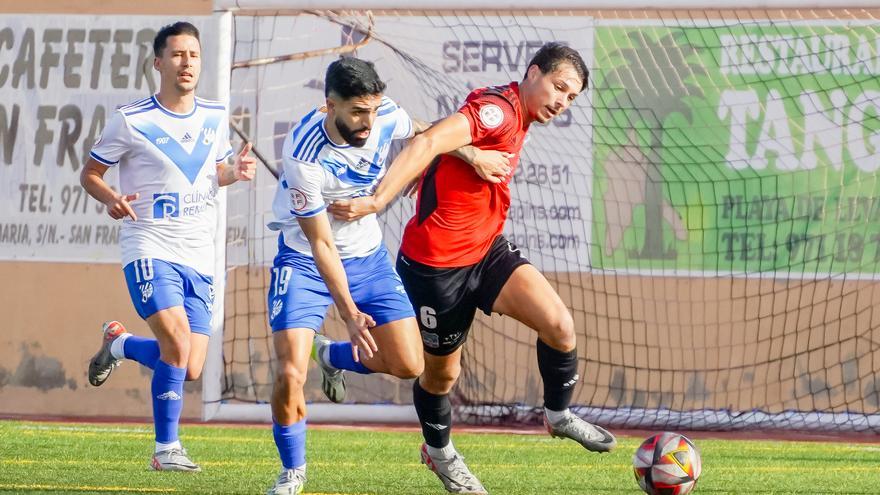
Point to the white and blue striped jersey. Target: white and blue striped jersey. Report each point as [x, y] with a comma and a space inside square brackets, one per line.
[170, 159]
[317, 171]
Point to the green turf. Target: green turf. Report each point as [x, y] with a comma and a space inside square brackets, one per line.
[88, 458]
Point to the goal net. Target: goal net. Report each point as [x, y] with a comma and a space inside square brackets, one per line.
[709, 209]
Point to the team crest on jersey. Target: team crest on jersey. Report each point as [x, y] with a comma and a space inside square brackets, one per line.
[210, 302]
[299, 199]
[208, 135]
[146, 291]
[276, 308]
[491, 116]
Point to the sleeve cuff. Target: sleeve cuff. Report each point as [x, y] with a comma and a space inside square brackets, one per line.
[309, 213]
[102, 160]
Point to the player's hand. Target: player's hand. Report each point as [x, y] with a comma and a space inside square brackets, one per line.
[119, 206]
[358, 327]
[353, 209]
[245, 165]
[492, 166]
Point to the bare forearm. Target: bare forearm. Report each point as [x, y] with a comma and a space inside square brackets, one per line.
[97, 188]
[408, 165]
[330, 267]
[467, 153]
[225, 175]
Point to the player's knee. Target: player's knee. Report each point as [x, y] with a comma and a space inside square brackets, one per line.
[408, 366]
[440, 381]
[175, 351]
[193, 374]
[560, 332]
[290, 377]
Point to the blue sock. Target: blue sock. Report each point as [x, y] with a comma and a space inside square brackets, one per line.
[291, 443]
[141, 349]
[167, 392]
[340, 357]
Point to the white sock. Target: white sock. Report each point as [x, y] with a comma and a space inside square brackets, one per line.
[554, 417]
[325, 355]
[117, 348]
[161, 447]
[442, 453]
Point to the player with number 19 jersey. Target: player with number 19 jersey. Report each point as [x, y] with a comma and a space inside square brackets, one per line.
[316, 172]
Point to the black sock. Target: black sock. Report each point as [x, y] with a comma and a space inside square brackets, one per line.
[559, 371]
[435, 415]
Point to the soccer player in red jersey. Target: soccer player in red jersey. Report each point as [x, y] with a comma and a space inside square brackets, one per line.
[454, 258]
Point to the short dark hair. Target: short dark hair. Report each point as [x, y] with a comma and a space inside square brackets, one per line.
[176, 29]
[351, 77]
[552, 54]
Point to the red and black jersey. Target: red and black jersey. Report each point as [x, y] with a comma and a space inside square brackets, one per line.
[459, 214]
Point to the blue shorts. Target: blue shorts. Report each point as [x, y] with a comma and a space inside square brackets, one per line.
[155, 285]
[298, 297]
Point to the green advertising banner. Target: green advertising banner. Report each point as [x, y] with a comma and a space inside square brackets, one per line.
[737, 148]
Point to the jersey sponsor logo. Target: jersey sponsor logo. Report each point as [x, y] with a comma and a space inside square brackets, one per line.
[166, 205]
[186, 138]
[491, 116]
[146, 292]
[299, 199]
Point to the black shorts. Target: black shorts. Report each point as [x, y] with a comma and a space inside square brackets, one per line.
[446, 299]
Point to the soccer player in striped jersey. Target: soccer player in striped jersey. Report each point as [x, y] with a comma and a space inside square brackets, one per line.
[171, 151]
[455, 260]
[337, 152]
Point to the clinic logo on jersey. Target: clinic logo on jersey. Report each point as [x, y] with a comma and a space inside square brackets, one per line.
[208, 135]
[166, 205]
[146, 292]
[186, 138]
[491, 116]
[299, 199]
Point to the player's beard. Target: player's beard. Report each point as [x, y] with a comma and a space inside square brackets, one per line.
[348, 134]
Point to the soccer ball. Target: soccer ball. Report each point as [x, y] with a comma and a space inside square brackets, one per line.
[667, 464]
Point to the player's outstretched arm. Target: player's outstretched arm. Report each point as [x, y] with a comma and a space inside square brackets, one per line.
[320, 235]
[491, 165]
[449, 134]
[92, 180]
